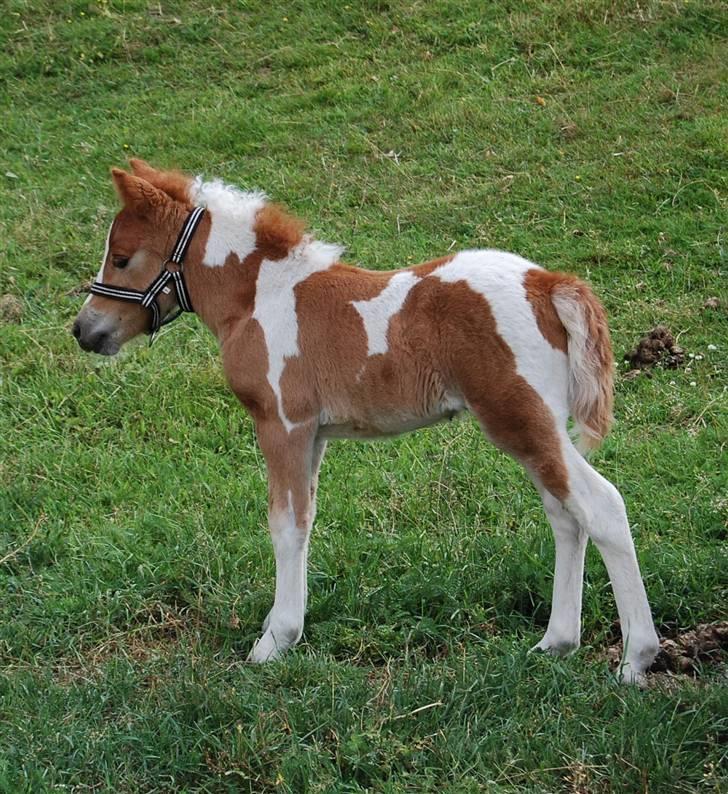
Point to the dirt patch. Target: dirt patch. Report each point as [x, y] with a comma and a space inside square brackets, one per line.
[656, 348]
[685, 654]
[569, 131]
[11, 309]
[154, 633]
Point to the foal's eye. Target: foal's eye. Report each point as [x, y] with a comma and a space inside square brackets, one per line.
[120, 261]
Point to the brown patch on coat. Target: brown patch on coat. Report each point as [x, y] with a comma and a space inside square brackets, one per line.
[427, 268]
[538, 285]
[442, 342]
[276, 232]
[224, 297]
[333, 345]
[345, 382]
[474, 357]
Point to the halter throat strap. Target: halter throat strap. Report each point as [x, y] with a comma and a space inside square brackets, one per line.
[148, 298]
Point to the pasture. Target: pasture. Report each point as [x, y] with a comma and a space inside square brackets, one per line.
[135, 563]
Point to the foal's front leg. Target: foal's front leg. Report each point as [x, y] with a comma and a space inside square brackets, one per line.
[290, 508]
[319, 448]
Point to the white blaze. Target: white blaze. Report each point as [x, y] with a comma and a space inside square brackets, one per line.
[100, 274]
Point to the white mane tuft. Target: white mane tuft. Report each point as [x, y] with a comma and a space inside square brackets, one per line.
[232, 213]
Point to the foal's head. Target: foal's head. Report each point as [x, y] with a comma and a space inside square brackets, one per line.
[140, 240]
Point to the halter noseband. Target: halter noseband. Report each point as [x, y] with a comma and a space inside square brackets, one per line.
[148, 298]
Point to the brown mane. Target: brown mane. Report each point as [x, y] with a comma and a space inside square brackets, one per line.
[276, 231]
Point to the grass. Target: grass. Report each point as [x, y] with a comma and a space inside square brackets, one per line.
[589, 136]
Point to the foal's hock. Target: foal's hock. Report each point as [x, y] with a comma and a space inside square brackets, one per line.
[317, 349]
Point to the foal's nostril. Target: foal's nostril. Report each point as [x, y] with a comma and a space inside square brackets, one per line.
[76, 330]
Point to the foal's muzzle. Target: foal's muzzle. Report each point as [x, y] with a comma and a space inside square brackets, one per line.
[94, 337]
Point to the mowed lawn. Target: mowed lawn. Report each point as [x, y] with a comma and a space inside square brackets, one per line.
[136, 566]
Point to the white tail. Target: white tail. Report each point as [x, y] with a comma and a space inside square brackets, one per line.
[591, 364]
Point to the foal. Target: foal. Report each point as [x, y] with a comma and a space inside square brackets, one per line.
[316, 349]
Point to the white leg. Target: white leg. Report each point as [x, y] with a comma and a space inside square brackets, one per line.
[319, 448]
[290, 458]
[564, 629]
[285, 621]
[598, 508]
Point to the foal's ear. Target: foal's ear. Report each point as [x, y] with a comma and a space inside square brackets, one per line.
[142, 168]
[138, 194]
[174, 183]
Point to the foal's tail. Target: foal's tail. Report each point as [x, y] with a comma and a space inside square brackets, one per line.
[591, 363]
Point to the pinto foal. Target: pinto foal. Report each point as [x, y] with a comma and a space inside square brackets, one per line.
[316, 349]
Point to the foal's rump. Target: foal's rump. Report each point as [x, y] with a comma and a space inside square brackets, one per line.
[527, 347]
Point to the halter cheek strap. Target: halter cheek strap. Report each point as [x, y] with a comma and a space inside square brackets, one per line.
[148, 298]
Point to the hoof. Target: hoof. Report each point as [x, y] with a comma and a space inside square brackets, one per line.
[265, 649]
[554, 647]
[274, 644]
[628, 676]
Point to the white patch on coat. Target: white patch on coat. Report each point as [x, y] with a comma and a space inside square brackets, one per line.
[498, 277]
[275, 305]
[100, 274]
[377, 312]
[232, 219]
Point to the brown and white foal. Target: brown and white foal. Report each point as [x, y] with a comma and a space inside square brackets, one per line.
[317, 349]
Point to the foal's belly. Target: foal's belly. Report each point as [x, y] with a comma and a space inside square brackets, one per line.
[389, 424]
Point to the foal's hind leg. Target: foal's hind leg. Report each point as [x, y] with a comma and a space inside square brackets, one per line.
[578, 501]
[564, 630]
[527, 431]
[597, 506]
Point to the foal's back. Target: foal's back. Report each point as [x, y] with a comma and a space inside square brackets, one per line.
[386, 352]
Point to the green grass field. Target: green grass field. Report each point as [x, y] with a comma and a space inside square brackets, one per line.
[136, 566]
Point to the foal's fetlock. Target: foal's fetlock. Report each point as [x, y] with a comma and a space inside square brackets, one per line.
[627, 675]
[286, 633]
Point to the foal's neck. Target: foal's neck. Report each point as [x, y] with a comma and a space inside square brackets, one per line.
[248, 249]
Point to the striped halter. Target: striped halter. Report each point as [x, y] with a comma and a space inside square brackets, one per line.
[148, 298]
